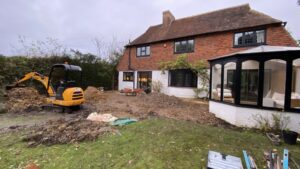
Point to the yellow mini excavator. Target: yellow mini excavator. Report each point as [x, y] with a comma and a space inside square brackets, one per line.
[63, 85]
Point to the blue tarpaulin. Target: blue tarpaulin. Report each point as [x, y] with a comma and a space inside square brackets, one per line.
[123, 121]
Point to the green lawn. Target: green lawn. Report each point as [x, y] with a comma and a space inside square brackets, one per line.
[154, 143]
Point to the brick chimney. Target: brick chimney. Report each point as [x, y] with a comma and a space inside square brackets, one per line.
[168, 18]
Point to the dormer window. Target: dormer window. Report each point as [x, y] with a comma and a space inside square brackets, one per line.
[143, 51]
[184, 46]
[249, 38]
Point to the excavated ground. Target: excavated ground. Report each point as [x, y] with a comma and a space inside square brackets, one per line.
[23, 100]
[74, 127]
[64, 131]
[157, 104]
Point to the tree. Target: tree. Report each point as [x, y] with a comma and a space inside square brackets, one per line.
[112, 52]
[201, 68]
[107, 49]
[100, 47]
[37, 48]
[181, 62]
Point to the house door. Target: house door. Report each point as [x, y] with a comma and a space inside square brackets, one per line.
[144, 81]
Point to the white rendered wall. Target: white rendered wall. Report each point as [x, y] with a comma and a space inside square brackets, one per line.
[124, 84]
[157, 75]
[184, 92]
[245, 117]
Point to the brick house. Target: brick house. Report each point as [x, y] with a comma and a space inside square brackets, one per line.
[205, 36]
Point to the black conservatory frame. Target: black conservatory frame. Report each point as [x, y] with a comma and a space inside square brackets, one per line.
[261, 58]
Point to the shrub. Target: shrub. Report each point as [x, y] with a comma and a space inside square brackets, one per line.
[197, 91]
[157, 86]
[278, 122]
[96, 71]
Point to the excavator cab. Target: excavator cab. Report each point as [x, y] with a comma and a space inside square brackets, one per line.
[66, 81]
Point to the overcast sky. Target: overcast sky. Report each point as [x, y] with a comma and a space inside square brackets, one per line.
[76, 22]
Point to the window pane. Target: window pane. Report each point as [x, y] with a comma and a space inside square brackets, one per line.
[249, 38]
[127, 76]
[295, 96]
[183, 46]
[216, 82]
[177, 45]
[138, 51]
[260, 36]
[148, 50]
[274, 80]
[238, 39]
[249, 82]
[143, 49]
[190, 45]
[229, 82]
[183, 78]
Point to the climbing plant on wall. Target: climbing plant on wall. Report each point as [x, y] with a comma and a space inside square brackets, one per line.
[181, 62]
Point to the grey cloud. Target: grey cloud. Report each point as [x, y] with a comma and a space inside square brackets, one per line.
[76, 22]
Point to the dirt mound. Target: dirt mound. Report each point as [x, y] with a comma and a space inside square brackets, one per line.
[145, 106]
[161, 100]
[64, 131]
[92, 94]
[25, 99]
[159, 104]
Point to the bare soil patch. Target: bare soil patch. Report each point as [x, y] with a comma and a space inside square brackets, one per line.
[92, 94]
[64, 131]
[23, 100]
[77, 128]
[157, 104]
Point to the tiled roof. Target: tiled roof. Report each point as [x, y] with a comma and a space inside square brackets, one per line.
[217, 21]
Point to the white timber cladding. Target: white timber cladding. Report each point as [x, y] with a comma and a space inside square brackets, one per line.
[245, 117]
[157, 75]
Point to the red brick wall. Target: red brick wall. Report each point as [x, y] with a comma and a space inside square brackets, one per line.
[206, 47]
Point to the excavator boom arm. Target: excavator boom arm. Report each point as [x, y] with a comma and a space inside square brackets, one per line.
[36, 76]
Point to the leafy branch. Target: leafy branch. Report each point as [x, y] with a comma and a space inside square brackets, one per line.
[181, 62]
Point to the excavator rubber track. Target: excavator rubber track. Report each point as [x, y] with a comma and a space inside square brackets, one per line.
[60, 109]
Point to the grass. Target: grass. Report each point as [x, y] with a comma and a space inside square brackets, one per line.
[154, 143]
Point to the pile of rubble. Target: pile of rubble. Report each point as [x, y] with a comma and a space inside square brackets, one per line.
[160, 100]
[22, 100]
[92, 94]
[64, 131]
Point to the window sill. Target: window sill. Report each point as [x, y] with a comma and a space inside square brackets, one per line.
[183, 52]
[244, 46]
[145, 56]
[183, 87]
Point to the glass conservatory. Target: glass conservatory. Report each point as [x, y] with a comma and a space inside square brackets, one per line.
[262, 78]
